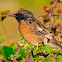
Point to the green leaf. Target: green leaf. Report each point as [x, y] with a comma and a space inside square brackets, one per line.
[26, 43]
[13, 46]
[1, 39]
[35, 61]
[54, 51]
[46, 48]
[21, 37]
[58, 54]
[22, 53]
[1, 56]
[59, 58]
[40, 46]
[39, 57]
[35, 51]
[5, 12]
[7, 51]
[51, 59]
[19, 57]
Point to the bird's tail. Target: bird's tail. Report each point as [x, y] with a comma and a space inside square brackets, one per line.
[56, 42]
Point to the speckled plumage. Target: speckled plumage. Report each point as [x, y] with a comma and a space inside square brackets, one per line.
[33, 30]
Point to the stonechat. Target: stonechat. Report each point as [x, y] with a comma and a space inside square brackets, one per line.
[33, 30]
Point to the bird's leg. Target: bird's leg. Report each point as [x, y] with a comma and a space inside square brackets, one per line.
[45, 41]
[49, 36]
[37, 45]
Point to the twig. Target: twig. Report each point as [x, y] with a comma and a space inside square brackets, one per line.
[57, 15]
[18, 50]
[53, 26]
[40, 54]
[53, 6]
[41, 15]
[29, 58]
[8, 14]
[14, 60]
[5, 30]
[46, 15]
[55, 58]
[3, 25]
[50, 12]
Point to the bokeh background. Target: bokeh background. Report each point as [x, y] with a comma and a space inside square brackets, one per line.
[10, 23]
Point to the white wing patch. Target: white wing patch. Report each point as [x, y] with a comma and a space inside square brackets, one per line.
[40, 29]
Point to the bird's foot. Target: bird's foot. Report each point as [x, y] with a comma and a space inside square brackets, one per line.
[45, 41]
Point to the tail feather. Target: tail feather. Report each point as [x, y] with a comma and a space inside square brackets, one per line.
[56, 42]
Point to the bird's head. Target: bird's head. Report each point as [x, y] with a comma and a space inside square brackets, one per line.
[22, 15]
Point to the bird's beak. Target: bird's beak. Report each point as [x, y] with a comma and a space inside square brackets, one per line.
[13, 15]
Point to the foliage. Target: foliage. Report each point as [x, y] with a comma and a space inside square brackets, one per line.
[49, 59]
[7, 51]
[25, 52]
[59, 58]
[21, 38]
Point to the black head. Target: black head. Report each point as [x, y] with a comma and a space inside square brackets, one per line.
[22, 15]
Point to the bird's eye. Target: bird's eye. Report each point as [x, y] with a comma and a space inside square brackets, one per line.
[30, 22]
[21, 14]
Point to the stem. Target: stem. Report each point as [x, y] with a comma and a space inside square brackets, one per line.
[5, 30]
[54, 5]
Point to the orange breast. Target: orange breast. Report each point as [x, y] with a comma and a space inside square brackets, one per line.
[28, 35]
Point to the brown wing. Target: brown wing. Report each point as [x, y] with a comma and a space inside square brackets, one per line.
[37, 27]
[44, 30]
[47, 32]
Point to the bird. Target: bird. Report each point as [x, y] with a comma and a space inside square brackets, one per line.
[33, 31]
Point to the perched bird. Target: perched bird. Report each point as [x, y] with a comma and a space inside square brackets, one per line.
[33, 30]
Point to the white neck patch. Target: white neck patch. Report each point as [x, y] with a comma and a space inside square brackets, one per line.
[21, 21]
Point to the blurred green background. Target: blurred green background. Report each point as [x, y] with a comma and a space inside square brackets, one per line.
[35, 6]
[10, 23]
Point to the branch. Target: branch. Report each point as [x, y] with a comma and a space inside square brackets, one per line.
[29, 59]
[15, 55]
[46, 15]
[57, 15]
[53, 6]
[6, 14]
[54, 58]
[53, 26]
[18, 50]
